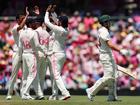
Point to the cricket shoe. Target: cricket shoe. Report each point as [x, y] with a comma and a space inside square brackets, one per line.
[40, 98]
[65, 97]
[89, 95]
[9, 97]
[27, 97]
[53, 97]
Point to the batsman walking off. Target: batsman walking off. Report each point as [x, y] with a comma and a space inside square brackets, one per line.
[107, 60]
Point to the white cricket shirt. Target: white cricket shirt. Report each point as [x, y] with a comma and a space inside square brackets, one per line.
[59, 35]
[16, 36]
[103, 36]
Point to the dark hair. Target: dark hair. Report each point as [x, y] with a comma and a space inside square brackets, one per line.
[102, 23]
[52, 2]
[64, 21]
[18, 15]
[29, 21]
[39, 19]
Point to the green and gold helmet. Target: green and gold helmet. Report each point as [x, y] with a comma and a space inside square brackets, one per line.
[104, 18]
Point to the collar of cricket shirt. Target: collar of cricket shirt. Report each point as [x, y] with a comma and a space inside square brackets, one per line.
[39, 28]
[30, 29]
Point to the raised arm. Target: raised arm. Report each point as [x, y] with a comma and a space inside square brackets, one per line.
[48, 23]
[54, 17]
[21, 25]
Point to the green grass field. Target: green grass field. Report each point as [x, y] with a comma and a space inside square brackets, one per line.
[75, 100]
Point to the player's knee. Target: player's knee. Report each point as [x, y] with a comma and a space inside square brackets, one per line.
[107, 79]
[111, 80]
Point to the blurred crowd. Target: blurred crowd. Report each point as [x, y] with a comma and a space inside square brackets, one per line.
[83, 67]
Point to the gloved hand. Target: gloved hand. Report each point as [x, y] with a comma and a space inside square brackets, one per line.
[124, 52]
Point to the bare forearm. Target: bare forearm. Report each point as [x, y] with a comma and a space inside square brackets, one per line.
[113, 46]
[22, 23]
[47, 21]
[24, 20]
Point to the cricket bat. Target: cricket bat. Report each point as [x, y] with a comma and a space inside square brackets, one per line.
[127, 71]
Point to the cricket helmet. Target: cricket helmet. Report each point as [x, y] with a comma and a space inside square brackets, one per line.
[104, 18]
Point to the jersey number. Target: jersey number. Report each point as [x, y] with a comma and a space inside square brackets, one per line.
[27, 44]
[43, 41]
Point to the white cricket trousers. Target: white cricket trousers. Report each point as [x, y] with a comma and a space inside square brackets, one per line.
[57, 61]
[30, 74]
[16, 64]
[109, 77]
[43, 64]
[54, 87]
[53, 84]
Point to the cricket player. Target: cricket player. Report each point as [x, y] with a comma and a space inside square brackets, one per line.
[54, 17]
[29, 47]
[58, 57]
[16, 64]
[107, 60]
[43, 63]
[43, 37]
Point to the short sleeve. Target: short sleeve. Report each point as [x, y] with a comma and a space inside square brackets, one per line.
[104, 34]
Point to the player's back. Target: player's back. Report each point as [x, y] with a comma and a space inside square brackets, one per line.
[43, 36]
[25, 39]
